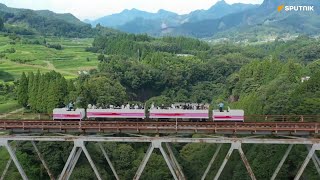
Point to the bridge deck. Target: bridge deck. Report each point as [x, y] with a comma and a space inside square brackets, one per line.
[283, 128]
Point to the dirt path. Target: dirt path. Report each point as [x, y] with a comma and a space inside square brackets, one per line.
[12, 112]
[50, 65]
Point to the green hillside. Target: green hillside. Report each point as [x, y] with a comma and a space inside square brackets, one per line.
[30, 54]
[44, 22]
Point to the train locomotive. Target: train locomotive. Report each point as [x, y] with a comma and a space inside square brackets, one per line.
[174, 112]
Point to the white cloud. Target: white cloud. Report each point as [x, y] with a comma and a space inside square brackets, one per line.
[92, 9]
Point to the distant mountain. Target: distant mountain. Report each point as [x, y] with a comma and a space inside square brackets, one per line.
[220, 9]
[264, 19]
[136, 21]
[25, 21]
[126, 16]
[68, 17]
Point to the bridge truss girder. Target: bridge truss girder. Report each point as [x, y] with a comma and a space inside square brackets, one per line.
[312, 145]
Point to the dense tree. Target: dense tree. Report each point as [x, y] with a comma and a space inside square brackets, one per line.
[22, 91]
[105, 91]
[34, 90]
[1, 24]
[306, 97]
[44, 92]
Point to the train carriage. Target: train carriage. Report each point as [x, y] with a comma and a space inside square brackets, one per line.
[178, 114]
[227, 116]
[66, 114]
[116, 113]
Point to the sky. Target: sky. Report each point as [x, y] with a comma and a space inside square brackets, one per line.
[93, 9]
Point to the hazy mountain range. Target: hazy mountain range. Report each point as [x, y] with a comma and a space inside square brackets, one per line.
[220, 20]
[237, 22]
[137, 21]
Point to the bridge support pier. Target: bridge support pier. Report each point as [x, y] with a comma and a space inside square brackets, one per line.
[172, 163]
[144, 162]
[5, 144]
[8, 165]
[6, 168]
[73, 163]
[211, 162]
[42, 160]
[313, 144]
[306, 161]
[315, 160]
[281, 162]
[235, 145]
[73, 158]
[109, 162]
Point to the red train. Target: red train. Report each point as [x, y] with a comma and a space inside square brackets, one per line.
[151, 114]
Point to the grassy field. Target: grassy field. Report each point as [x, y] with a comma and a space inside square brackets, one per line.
[27, 57]
[68, 61]
[9, 106]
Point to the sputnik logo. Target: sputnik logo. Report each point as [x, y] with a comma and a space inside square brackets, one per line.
[295, 8]
[280, 7]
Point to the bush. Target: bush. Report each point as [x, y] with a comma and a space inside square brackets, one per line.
[55, 46]
[21, 61]
[11, 50]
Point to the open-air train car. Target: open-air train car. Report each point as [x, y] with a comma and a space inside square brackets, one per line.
[116, 113]
[231, 115]
[178, 114]
[66, 114]
[154, 114]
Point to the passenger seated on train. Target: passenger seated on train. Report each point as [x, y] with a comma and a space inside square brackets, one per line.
[136, 106]
[221, 106]
[127, 106]
[152, 106]
[70, 106]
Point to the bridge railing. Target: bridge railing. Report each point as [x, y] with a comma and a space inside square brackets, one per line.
[282, 118]
[161, 127]
[247, 118]
[26, 116]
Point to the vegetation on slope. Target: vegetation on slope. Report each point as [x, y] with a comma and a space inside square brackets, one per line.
[262, 79]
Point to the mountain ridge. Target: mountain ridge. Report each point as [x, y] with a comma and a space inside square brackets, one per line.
[170, 19]
[45, 22]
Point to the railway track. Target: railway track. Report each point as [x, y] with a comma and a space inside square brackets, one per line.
[263, 128]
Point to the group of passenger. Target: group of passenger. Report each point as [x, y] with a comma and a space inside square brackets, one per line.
[127, 106]
[184, 106]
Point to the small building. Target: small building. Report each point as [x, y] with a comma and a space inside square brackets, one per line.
[306, 78]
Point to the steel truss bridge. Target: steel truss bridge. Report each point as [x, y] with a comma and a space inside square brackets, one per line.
[161, 143]
[289, 133]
